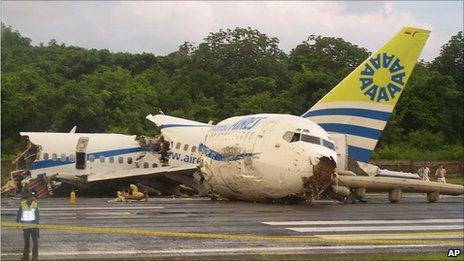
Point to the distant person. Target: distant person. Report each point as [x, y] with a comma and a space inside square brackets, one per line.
[28, 213]
[441, 174]
[424, 172]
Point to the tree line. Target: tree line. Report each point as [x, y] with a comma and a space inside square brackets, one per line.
[52, 87]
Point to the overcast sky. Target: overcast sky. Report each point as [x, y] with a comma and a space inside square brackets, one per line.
[160, 27]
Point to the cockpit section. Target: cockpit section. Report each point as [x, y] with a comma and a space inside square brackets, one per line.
[304, 136]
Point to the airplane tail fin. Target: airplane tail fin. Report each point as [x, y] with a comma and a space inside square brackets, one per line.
[361, 104]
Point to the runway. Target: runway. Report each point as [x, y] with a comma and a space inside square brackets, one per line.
[199, 227]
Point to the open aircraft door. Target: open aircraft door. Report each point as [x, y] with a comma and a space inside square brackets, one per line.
[81, 152]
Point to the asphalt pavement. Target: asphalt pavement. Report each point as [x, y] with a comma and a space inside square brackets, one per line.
[186, 228]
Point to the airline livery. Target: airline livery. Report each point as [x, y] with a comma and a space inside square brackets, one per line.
[262, 156]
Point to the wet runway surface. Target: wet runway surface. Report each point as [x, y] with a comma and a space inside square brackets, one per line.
[187, 227]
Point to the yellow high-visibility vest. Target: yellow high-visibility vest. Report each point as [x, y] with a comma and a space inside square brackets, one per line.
[28, 212]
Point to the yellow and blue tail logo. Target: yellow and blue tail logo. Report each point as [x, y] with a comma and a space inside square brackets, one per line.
[361, 104]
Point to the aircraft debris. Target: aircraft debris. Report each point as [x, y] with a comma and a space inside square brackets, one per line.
[130, 195]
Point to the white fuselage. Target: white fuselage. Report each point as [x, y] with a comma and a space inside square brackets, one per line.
[252, 157]
[104, 153]
[247, 157]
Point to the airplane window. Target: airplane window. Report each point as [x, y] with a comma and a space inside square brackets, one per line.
[111, 159]
[71, 158]
[194, 148]
[291, 136]
[310, 139]
[102, 159]
[91, 158]
[121, 160]
[54, 157]
[186, 146]
[288, 136]
[178, 145]
[172, 144]
[328, 144]
[295, 137]
[129, 160]
[154, 165]
[145, 165]
[63, 157]
[45, 156]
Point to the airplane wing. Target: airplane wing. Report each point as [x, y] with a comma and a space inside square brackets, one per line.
[165, 179]
[385, 184]
[395, 186]
[142, 173]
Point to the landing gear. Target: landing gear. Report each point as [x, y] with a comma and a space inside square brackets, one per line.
[395, 196]
[433, 196]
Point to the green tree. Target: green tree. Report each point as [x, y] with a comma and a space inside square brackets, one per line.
[451, 59]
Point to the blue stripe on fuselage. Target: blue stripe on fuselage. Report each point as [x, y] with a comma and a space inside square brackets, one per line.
[371, 114]
[220, 157]
[54, 163]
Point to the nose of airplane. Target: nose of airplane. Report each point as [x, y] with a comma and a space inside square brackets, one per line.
[323, 174]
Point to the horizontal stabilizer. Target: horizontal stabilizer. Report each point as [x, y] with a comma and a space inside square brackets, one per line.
[165, 121]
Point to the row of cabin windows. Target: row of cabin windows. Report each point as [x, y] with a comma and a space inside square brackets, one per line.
[90, 158]
[294, 137]
[186, 147]
[239, 136]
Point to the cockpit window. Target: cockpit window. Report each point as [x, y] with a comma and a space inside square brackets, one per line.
[310, 139]
[328, 144]
[291, 136]
[295, 137]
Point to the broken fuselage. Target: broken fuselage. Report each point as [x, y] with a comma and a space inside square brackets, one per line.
[254, 157]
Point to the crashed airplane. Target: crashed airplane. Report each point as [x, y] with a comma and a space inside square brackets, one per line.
[256, 157]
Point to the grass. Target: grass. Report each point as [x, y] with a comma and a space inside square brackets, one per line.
[456, 180]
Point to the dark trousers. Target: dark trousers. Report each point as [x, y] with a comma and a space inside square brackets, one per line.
[29, 233]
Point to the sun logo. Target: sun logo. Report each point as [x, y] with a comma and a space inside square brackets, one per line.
[382, 77]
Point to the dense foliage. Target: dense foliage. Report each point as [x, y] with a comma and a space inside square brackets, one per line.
[231, 72]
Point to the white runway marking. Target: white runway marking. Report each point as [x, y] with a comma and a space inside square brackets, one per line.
[356, 222]
[375, 228]
[217, 250]
[386, 236]
[91, 208]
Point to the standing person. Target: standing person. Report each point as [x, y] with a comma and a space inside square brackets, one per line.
[28, 213]
[441, 173]
[424, 172]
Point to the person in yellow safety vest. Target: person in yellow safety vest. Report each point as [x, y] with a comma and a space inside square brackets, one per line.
[28, 213]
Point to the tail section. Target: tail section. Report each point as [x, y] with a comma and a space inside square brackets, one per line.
[361, 104]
